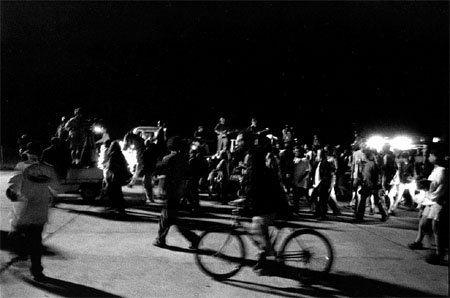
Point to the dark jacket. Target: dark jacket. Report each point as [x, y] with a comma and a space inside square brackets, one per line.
[325, 172]
[262, 186]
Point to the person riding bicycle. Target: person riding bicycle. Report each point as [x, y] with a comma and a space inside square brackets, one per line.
[263, 195]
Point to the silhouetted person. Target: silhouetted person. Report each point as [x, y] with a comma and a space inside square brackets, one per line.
[57, 156]
[35, 187]
[77, 127]
[150, 158]
[117, 174]
[174, 167]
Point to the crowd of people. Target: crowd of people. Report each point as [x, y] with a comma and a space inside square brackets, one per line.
[270, 175]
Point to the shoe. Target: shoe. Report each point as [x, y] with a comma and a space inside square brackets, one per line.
[415, 245]
[392, 213]
[383, 218]
[435, 259]
[159, 243]
[262, 267]
[262, 271]
[40, 277]
[194, 242]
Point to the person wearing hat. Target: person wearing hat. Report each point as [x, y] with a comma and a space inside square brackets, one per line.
[34, 187]
[174, 168]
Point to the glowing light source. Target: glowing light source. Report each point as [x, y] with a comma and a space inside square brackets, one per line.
[401, 143]
[97, 129]
[436, 140]
[130, 156]
[376, 142]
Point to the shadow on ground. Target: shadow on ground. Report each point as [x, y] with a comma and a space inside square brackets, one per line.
[335, 284]
[67, 289]
[15, 243]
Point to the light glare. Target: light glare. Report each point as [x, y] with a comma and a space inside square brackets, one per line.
[401, 143]
[376, 142]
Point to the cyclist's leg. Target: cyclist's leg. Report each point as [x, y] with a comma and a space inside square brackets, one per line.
[260, 231]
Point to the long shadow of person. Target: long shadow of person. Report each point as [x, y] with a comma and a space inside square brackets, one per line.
[67, 289]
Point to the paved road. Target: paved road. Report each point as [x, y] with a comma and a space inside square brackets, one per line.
[89, 253]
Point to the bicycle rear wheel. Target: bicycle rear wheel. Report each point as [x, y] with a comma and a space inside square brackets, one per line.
[220, 253]
[307, 249]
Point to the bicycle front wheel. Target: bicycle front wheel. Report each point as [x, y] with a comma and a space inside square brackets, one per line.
[307, 249]
[220, 253]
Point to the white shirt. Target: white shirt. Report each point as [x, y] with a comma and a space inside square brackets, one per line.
[317, 176]
[438, 185]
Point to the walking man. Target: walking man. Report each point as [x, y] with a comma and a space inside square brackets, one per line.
[174, 167]
[34, 187]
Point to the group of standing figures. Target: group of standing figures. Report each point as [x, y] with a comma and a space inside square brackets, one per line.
[274, 178]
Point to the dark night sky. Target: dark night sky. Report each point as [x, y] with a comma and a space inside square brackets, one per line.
[321, 66]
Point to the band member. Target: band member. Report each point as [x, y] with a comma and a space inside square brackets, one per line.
[222, 130]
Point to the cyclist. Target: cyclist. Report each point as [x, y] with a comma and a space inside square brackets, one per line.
[263, 193]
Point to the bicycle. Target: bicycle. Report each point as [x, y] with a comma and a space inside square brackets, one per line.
[221, 251]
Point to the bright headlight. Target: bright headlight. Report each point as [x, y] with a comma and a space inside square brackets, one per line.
[97, 129]
[376, 142]
[401, 143]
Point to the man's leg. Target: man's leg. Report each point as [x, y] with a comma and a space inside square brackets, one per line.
[220, 142]
[324, 196]
[296, 192]
[380, 205]
[424, 225]
[435, 212]
[33, 236]
[165, 221]
[315, 201]
[361, 206]
[147, 182]
[332, 202]
[260, 228]
[187, 233]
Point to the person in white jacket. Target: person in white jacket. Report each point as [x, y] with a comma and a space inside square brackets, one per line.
[34, 187]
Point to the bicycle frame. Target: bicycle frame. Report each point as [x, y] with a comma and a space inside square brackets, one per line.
[297, 250]
[274, 234]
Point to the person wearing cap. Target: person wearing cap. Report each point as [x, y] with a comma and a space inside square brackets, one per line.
[34, 187]
[174, 168]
